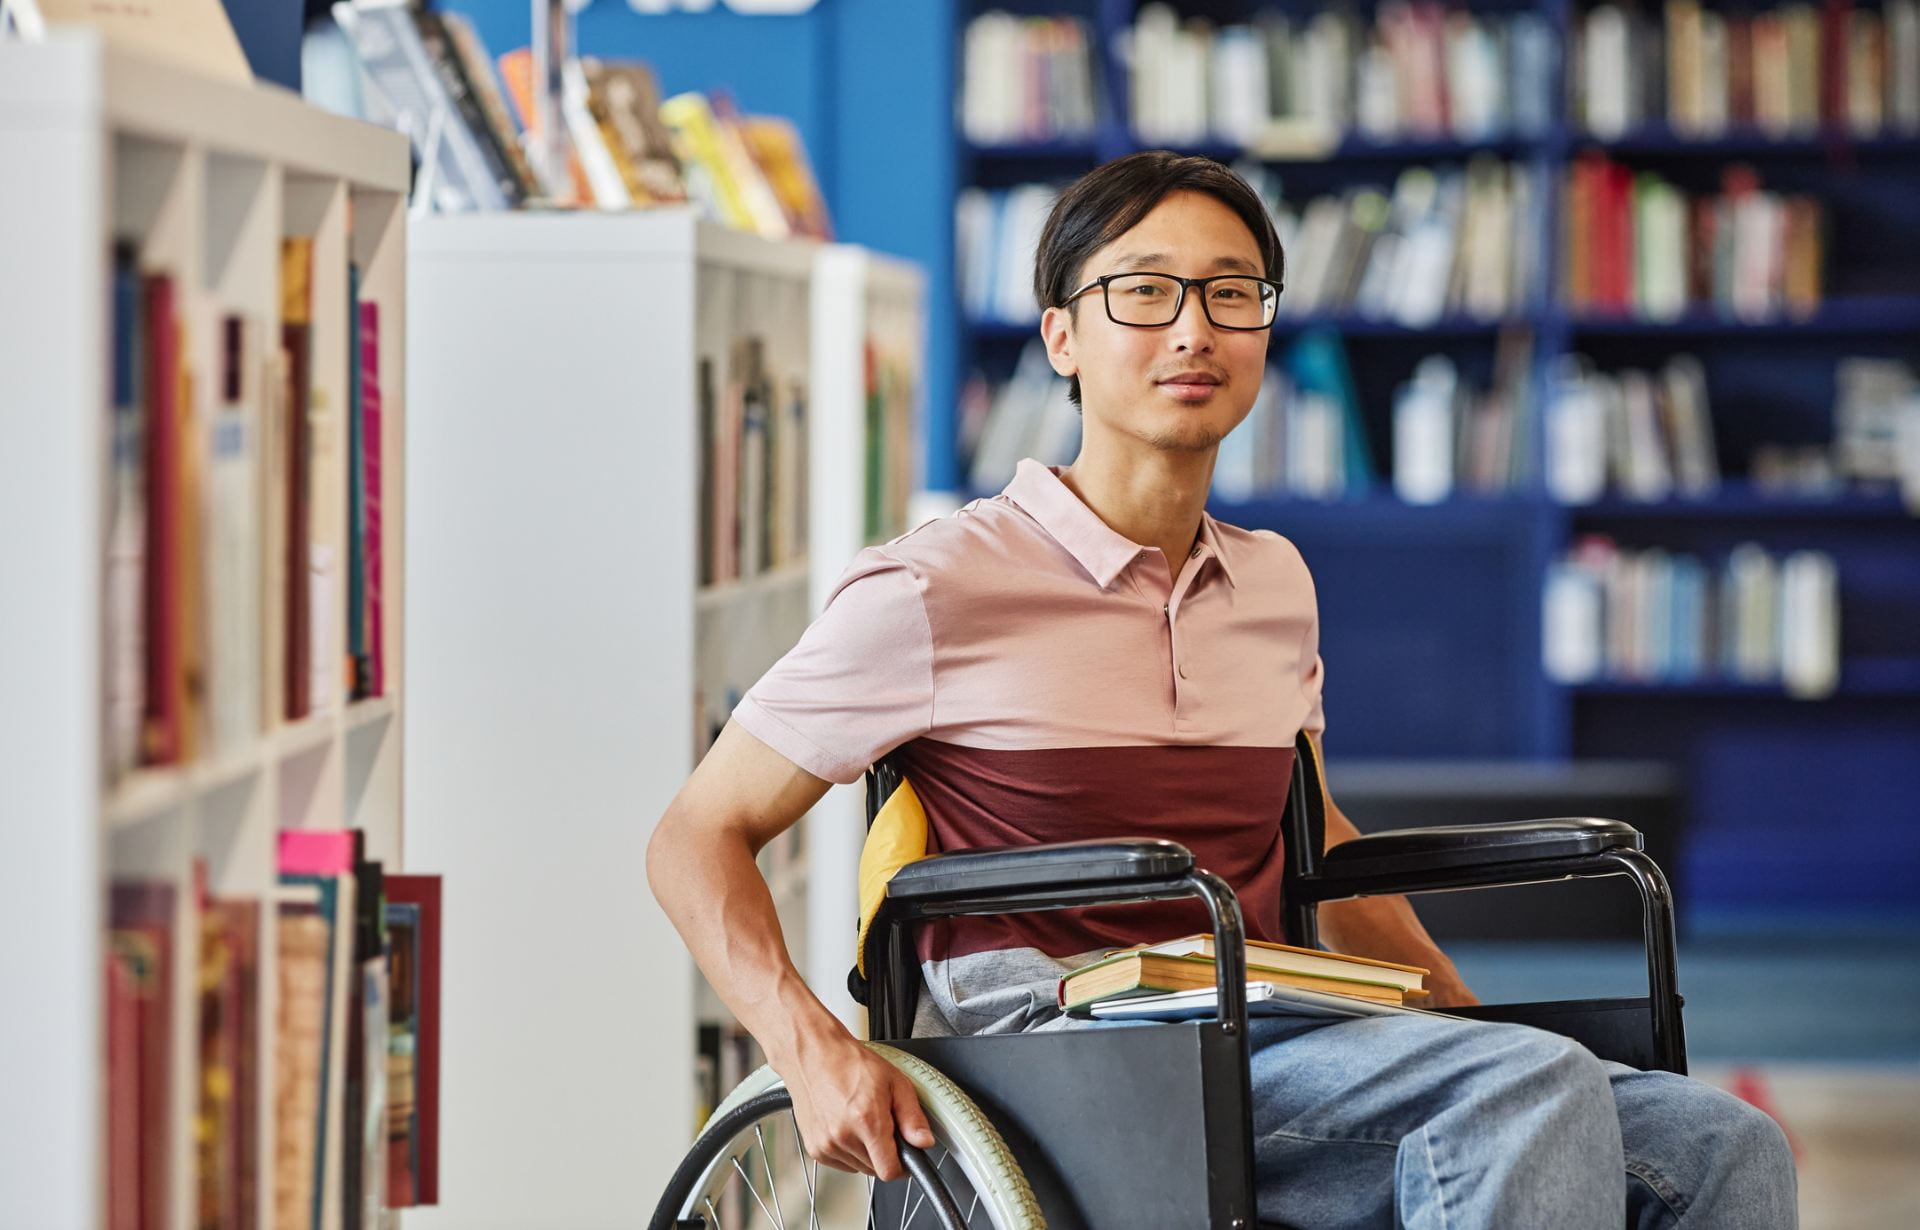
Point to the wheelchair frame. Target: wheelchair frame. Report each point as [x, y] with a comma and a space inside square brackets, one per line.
[1192, 1080]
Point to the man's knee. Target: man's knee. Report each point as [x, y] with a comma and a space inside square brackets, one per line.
[1752, 1143]
[1564, 1066]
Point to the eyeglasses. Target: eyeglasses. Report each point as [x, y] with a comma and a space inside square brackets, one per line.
[1153, 300]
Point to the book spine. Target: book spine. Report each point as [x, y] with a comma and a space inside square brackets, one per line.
[371, 450]
[164, 694]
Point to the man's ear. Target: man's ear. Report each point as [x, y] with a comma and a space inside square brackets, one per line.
[1056, 330]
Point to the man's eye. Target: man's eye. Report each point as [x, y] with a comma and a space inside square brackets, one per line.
[1229, 292]
[1146, 289]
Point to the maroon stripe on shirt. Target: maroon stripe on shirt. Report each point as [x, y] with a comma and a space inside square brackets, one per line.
[1222, 803]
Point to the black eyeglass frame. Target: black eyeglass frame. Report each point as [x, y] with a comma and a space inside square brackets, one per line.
[1181, 300]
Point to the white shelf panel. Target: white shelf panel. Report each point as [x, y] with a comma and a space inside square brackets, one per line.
[77, 76]
[774, 584]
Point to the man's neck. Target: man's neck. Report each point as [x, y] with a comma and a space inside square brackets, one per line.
[1153, 497]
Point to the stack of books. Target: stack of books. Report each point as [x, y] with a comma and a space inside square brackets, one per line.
[1178, 975]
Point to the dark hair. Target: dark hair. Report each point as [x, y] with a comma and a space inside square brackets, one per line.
[1111, 199]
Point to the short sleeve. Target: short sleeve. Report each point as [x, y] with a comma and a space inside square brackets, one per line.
[860, 681]
[1312, 675]
[1313, 671]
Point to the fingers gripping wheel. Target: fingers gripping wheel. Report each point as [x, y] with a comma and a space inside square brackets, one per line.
[749, 1169]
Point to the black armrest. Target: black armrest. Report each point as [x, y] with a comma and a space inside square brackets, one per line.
[993, 870]
[1461, 846]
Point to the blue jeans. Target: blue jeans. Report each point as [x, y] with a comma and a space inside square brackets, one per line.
[1420, 1122]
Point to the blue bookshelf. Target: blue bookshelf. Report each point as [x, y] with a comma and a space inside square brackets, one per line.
[1431, 614]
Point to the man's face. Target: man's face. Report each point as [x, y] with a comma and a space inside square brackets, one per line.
[1181, 387]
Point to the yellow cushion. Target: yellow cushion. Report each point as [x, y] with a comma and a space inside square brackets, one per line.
[898, 836]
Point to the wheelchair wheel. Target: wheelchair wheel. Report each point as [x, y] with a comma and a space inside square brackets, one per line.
[749, 1169]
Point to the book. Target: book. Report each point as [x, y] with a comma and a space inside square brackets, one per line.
[124, 591]
[423, 893]
[232, 546]
[372, 476]
[302, 935]
[403, 1033]
[141, 951]
[357, 662]
[226, 1130]
[1188, 963]
[296, 322]
[164, 734]
[325, 859]
[1263, 999]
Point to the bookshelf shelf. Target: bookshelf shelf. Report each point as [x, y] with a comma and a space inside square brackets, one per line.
[1863, 315]
[1038, 151]
[200, 181]
[1741, 501]
[753, 589]
[1891, 680]
[1662, 141]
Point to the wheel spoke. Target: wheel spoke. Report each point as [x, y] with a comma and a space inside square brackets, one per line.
[813, 1197]
[972, 1207]
[773, 1188]
[750, 1189]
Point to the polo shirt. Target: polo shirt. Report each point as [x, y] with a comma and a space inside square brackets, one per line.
[1043, 678]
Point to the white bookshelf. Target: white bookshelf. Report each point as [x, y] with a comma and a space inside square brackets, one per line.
[205, 178]
[861, 300]
[554, 485]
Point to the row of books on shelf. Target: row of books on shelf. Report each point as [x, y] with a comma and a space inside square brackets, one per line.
[1305, 436]
[1651, 616]
[1783, 71]
[1449, 241]
[1451, 437]
[617, 144]
[1649, 436]
[892, 393]
[1635, 243]
[1028, 79]
[1287, 83]
[225, 597]
[753, 463]
[354, 1044]
[1643, 436]
[1446, 241]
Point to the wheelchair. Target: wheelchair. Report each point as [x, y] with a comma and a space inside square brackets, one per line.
[1033, 1130]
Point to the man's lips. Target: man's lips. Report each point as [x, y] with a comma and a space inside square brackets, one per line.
[1192, 386]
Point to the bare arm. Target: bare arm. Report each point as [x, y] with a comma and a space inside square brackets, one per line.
[701, 869]
[1386, 929]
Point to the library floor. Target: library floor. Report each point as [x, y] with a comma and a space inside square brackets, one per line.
[1822, 1031]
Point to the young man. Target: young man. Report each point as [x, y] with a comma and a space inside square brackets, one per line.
[1089, 654]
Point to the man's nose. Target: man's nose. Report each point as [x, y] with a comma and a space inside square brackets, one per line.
[1191, 330]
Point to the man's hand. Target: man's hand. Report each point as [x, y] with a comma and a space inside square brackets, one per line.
[847, 1101]
[1448, 991]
